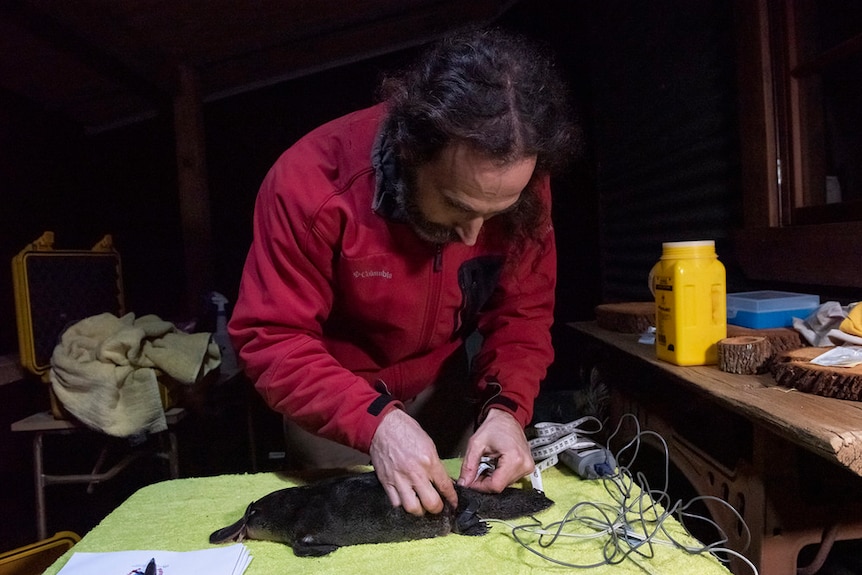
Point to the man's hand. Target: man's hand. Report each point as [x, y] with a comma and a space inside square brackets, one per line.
[500, 437]
[406, 462]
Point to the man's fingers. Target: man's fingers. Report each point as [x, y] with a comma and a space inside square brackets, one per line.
[392, 493]
[429, 498]
[446, 488]
[469, 468]
[406, 462]
[412, 502]
[493, 483]
[423, 496]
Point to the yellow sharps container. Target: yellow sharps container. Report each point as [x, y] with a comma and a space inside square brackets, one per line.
[691, 303]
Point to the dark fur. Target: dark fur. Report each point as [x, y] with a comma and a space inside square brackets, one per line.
[319, 518]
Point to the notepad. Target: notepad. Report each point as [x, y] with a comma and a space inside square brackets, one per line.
[231, 560]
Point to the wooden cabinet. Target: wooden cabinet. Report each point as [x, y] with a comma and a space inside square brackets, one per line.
[800, 81]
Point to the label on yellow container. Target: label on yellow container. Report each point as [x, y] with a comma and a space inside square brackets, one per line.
[691, 303]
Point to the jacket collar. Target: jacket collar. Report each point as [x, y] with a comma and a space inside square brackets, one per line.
[389, 188]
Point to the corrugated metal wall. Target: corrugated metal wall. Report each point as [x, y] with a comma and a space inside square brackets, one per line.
[665, 133]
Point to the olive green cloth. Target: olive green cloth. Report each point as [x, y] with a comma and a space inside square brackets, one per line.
[106, 369]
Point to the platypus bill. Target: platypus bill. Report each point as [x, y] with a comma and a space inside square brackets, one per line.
[319, 518]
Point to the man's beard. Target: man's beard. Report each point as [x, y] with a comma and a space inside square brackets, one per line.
[424, 228]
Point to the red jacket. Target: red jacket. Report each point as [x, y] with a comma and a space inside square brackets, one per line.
[339, 296]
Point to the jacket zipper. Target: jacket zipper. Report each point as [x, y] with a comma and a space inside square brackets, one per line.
[433, 307]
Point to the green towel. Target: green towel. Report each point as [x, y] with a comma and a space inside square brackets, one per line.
[179, 515]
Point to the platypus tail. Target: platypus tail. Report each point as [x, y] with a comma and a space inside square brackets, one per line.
[511, 503]
[234, 532]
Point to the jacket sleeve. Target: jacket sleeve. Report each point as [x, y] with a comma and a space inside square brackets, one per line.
[515, 325]
[284, 299]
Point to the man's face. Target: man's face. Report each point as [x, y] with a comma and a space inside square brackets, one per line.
[456, 193]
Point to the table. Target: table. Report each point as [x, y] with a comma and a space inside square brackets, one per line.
[789, 462]
[180, 514]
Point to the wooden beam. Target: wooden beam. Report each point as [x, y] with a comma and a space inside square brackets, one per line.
[822, 254]
[193, 188]
[345, 36]
[101, 59]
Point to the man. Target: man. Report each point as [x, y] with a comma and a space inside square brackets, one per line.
[385, 238]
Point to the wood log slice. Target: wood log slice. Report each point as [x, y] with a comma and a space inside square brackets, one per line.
[744, 354]
[626, 317]
[793, 369]
[781, 338]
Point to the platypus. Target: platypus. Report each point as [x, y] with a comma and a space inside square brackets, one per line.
[318, 518]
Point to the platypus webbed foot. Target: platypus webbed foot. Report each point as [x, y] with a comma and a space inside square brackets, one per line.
[308, 547]
[468, 523]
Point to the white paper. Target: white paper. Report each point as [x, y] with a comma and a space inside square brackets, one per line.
[648, 336]
[841, 356]
[231, 560]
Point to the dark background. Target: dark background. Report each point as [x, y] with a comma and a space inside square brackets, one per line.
[654, 86]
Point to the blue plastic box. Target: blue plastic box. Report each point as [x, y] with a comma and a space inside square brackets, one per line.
[768, 308]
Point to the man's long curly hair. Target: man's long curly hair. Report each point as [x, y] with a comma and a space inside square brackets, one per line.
[495, 91]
